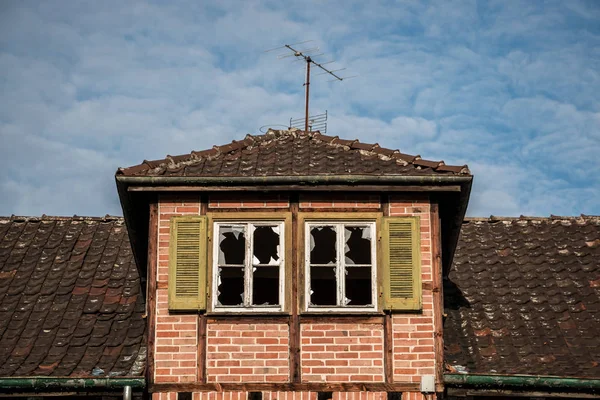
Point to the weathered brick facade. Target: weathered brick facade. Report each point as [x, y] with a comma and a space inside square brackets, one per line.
[284, 396]
[342, 353]
[258, 352]
[413, 335]
[176, 342]
[247, 352]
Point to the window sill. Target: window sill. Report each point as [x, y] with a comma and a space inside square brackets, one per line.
[342, 313]
[247, 313]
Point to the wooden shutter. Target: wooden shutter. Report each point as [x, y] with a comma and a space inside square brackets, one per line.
[187, 263]
[401, 263]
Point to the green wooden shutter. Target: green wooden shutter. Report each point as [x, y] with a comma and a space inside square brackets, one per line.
[187, 263]
[401, 263]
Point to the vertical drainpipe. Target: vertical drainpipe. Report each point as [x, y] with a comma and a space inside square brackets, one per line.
[127, 393]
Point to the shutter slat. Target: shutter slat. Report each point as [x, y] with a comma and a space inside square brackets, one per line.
[402, 263]
[187, 270]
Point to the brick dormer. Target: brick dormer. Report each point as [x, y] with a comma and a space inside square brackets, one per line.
[294, 263]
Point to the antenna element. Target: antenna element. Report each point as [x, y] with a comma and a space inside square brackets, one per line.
[304, 55]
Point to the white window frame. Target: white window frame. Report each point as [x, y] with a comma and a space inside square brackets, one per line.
[248, 267]
[340, 265]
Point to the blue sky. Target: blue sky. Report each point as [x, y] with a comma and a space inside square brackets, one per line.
[510, 88]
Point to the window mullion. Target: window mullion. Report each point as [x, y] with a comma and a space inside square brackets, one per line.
[340, 265]
[374, 264]
[248, 266]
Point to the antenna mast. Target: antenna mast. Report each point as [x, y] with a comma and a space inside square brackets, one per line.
[304, 54]
[309, 60]
[307, 84]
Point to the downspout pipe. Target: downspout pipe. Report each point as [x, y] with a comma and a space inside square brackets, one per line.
[522, 382]
[39, 384]
[127, 393]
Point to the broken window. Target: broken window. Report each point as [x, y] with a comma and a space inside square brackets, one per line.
[340, 264]
[248, 265]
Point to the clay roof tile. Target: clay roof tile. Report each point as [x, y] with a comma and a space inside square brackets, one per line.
[272, 153]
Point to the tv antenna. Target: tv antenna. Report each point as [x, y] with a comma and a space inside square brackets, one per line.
[306, 56]
[315, 122]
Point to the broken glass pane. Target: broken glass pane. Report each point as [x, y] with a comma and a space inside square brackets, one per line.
[358, 245]
[358, 286]
[323, 286]
[322, 245]
[232, 245]
[231, 286]
[266, 245]
[265, 286]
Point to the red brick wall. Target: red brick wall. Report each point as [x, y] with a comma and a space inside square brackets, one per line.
[259, 352]
[342, 353]
[291, 396]
[247, 353]
[413, 335]
[176, 346]
[241, 200]
[334, 200]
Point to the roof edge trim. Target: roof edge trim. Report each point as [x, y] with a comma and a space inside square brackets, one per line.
[67, 383]
[294, 179]
[522, 382]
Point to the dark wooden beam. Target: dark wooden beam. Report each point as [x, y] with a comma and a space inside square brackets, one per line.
[201, 351]
[295, 368]
[297, 188]
[388, 327]
[151, 288]
[438, 299]
[285, 387]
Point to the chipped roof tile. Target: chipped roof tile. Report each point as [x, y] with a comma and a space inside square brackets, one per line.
[292, 152]
[59, 274]
[521, 297]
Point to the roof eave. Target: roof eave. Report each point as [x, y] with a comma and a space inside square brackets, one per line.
[129, 205]
[294, 180]
[52, 384]
[522, 382]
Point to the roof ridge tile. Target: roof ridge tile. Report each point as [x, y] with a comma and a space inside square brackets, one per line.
[494, 218]
[176, 164]
[44, 217]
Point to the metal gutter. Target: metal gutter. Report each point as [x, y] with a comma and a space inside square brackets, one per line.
[39, 384]
[300, 179]
[522, 382]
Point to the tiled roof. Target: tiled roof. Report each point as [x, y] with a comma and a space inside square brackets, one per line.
[70, 299]
[293, 153]
[523, 297]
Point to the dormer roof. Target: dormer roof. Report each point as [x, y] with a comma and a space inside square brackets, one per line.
[293, 153]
